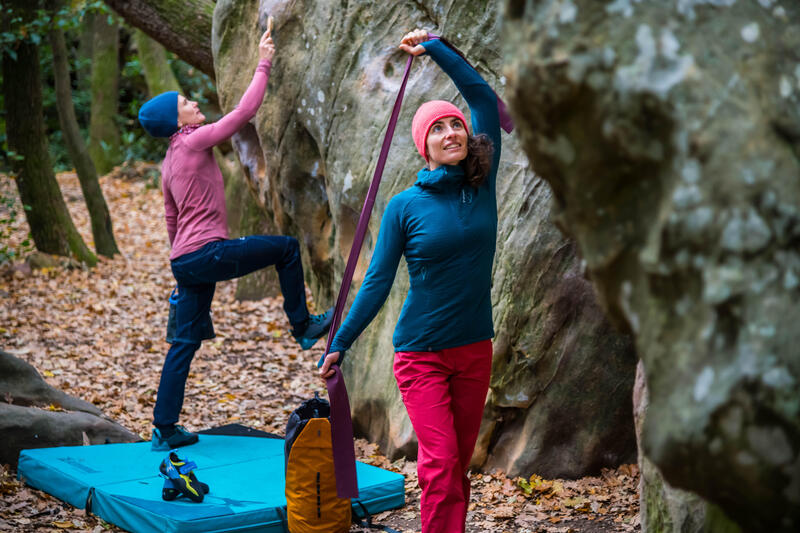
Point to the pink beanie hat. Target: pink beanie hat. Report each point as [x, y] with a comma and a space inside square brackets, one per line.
[426, 115]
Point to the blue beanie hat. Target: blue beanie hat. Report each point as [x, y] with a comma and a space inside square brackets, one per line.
[159, 115]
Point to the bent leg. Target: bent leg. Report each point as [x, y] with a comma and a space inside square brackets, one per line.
[224, 260]
[293, 287]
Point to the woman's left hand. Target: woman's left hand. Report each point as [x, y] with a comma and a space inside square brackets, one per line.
[411, 42]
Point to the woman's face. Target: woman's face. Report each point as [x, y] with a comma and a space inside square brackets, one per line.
[188, 112]
[446, 143]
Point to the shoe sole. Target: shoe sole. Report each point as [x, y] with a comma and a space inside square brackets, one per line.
[168, 494]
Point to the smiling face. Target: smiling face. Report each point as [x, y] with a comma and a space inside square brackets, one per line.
[446, 143]
[188, 112]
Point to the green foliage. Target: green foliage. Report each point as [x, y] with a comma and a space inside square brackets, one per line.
[72, 19]
[33, 25]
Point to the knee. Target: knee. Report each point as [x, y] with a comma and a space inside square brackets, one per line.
[292, 250]
[440, 466]
[180, 356]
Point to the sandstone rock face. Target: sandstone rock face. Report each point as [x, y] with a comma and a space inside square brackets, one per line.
[560, 399]
[664, 508]
[670, 135]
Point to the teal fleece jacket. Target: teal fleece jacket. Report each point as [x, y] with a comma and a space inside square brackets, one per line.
[446, 229]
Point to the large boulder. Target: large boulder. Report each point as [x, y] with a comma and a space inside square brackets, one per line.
[670, 135]
[663, 508]
[35, 415]
[560, 399]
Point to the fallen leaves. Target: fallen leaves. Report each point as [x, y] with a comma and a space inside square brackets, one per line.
[99, 335]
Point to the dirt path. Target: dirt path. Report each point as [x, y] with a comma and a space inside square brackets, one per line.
[98, 335]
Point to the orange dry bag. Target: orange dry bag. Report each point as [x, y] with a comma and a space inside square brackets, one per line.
[311, 502]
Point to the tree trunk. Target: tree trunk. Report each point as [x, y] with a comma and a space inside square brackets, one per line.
[182, 26]
[102, 231]
[103, 133]
[83, 63]
[153, 57]
[50, 223]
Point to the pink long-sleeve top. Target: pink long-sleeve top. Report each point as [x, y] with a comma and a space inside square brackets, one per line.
[194, 193]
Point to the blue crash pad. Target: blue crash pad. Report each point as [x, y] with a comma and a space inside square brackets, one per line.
[245, 474]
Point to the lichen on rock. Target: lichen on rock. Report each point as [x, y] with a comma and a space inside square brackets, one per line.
[561, 375]
[683, 198]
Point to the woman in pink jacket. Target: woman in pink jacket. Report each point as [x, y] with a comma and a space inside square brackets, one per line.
[202, 254]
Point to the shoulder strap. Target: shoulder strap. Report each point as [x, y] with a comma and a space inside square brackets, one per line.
[344, 459]
[284, 520]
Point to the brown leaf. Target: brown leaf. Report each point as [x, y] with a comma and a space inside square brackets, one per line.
[109, 322]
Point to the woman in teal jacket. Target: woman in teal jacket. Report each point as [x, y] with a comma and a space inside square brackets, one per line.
[446, 227]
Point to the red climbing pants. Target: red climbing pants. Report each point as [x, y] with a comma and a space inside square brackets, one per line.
[444, 393]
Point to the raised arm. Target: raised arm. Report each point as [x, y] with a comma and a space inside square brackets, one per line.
[480, 97]
[212, 134]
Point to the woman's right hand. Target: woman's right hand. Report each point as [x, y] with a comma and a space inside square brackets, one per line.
[325, 370]
[411, 42]
[266, 48]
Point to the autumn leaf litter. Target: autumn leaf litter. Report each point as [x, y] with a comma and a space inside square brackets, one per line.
[98, 334]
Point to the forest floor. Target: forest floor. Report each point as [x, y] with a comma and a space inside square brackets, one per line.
[98, 334]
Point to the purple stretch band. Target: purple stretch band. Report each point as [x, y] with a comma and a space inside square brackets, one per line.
[344, 457]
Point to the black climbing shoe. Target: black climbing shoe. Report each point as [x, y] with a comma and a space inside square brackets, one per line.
[181, 473]
[171, 491]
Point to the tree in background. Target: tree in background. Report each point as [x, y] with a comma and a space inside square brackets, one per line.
[50, 223]
[102, 231]
[104, 137]
[156, 69]
[183, 27]
[75, 22]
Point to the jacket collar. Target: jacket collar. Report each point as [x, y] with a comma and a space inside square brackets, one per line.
[189, 128]
[445, 177]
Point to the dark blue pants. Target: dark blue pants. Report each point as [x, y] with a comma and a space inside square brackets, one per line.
[197, 273]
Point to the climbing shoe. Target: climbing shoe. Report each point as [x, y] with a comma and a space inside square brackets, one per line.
[179, 437]
[171, 491]
[181, 473]
[315, 327]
